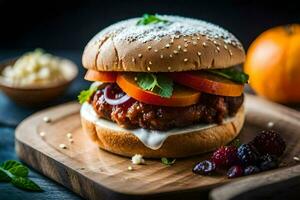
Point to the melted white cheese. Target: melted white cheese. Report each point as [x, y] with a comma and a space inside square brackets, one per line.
[152, 139]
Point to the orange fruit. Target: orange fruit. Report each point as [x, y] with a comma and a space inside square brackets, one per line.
[273, 64]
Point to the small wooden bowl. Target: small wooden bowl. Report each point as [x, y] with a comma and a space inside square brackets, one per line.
[36, 95]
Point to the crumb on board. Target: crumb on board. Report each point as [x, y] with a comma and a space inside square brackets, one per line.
[42, 134]
[130, 168]
[62, 146]
[69, 135]
[137, 159]
[47, 119]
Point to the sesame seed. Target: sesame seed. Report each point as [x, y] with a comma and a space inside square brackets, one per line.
[179, 47]
[171, 55]
[155, 50]
[230, 53]
[225, 46]
[218, 48]
[296, 158]
[185, 60]
[69, 135]
[62, 146]
[42, 134]
[150, 63]
[47, 119]
[175, 52]
[198, 38]
[204, 44]
[172, 41]
[135, 78]
[148, 68]
[133, 59]
[215, 42]
[169, 68]
[149, 47]
[185, 39]
[186, 45]
[161, 56]
[184, 50]
[167, 45]
[194, 42]
[199, 53]
[140, 55]
[130, 168]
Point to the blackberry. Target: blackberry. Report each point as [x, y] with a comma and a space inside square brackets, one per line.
[247, 154]
[235, 171]
[251, 170]
[225, 156]
[270, 142]
[267, 162]
[205, 167]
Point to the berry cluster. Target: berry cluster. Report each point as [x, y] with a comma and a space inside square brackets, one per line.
[260, 154]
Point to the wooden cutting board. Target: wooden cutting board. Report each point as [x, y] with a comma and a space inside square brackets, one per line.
[95, 174]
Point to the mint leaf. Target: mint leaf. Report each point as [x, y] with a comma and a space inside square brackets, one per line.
[231, 74]
[25, 183]
[86, 94]
[168, 161]
[158, 84]
[150, 19]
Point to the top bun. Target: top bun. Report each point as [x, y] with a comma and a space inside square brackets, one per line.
[180, 44]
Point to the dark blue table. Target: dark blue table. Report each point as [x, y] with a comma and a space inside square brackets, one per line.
[11, 115]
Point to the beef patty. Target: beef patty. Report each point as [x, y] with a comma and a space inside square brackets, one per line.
[135, 114]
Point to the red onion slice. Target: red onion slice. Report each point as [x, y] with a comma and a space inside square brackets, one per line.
[114, 102]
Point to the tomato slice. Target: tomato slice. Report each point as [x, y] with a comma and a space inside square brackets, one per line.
[105, 77]
[208, 83]
[182, 96]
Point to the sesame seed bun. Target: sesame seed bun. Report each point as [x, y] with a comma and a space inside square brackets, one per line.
[181, 44]
[125, 143]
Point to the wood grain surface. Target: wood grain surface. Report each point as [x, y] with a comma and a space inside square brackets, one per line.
[96, 174]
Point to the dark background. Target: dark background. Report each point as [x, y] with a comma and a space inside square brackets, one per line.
[68, 25]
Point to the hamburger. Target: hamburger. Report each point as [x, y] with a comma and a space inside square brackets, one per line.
[164, 86]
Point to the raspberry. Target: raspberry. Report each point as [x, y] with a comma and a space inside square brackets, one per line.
[251, 170]
[269, 142]
[247, 154]
[204, 168]
[235, 171]
[225, 156]
[267, 162]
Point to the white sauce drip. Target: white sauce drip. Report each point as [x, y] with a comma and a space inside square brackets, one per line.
[150, 138]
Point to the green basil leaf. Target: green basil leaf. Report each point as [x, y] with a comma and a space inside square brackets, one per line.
[165, 85]
[85, 95]
[150, 19]
[237, 143]
[25, 183]
[10, 164]
[168, 161]
[20, 170]
[231, 74]
[158, 84]
[4, 177]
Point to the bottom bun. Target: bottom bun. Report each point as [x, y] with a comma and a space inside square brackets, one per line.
[182, 145]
